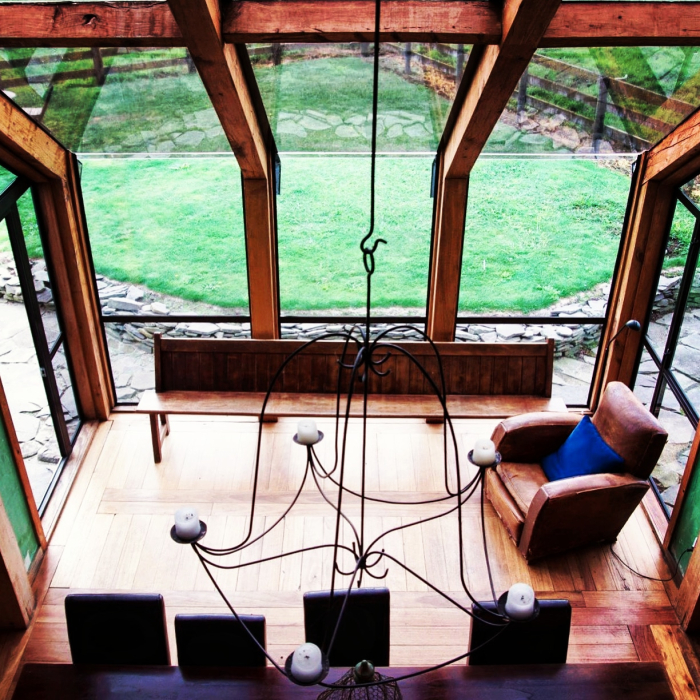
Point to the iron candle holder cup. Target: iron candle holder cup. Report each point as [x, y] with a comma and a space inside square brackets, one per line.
[180, 540]
[320, 437]
[496, 461]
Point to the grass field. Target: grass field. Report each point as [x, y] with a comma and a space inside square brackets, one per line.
[536, 230]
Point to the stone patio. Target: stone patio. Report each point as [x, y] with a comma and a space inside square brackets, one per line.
[130, 347]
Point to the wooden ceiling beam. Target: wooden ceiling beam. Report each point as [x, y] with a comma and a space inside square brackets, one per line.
[473, 22]
[478, 22]
[676, 158]
[493, 82]
[223, 76]
[88, 24]
[490, 77]
[624, 24]
[252, 21]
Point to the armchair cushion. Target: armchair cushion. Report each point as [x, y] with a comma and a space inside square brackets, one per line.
[584, 452]
[523, 481]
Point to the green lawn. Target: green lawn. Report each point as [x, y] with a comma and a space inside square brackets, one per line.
[536, 230]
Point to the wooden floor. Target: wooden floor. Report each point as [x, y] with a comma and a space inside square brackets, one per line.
[113, 535]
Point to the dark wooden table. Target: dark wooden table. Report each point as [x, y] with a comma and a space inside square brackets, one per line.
[642, 681]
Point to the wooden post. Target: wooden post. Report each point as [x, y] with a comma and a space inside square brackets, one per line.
[229, 80]
[98, 65]
[522, 95]
[600, 108]
[459, 68]
[491, 75]
[364, 49]
[407, 58]
[446, 255]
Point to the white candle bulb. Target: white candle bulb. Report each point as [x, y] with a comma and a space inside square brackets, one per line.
[307, 432]
[307, 663]
[187, 525]
[520, 603]
[484, 453]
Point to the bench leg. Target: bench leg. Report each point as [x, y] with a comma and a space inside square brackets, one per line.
[158, 434]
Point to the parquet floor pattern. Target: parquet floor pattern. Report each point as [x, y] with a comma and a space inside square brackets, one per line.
[113, 535]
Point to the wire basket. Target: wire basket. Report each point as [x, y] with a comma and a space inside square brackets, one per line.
[354, 688]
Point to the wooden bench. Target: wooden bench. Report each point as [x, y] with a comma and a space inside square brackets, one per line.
[230, 377]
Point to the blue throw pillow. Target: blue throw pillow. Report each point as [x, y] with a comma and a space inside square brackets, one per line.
[584, 452]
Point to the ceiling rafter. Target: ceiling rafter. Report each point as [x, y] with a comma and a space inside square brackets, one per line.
[126, 23]
[493, 81]
[222, 73]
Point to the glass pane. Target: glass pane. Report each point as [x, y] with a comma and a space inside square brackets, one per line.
[542, 235]
[647, 376]
[669, 283]
[323, 214]
[685, 365]
[166, 230]
[40, 273]
[122, 100]
[599, 99]
[669, 471]
[21, 378]
[6, 179]
[65, 390]
[319, 98]
[131, 350]
[167, 234]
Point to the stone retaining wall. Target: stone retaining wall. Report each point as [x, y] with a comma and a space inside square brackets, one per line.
[117, 298]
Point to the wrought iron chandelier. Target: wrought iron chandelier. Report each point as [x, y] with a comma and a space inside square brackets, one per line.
[308, 665]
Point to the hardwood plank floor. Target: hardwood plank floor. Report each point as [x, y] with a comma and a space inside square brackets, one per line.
[113, 535]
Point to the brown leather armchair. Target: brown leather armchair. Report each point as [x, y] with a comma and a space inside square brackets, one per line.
[547, 517]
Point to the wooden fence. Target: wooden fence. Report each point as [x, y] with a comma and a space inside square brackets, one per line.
[610, 98]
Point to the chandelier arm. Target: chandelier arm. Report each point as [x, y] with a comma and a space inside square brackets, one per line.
[230, 550]
[332, 505]
[442, 397]
[256, 471]
[232, 567]
[428, 519]
[466, 611]
[392, 502]
[357, 363]
[384, 333]
[341, 613]
[422, 671]
[235, 614]
[486, 549]
[342, 365]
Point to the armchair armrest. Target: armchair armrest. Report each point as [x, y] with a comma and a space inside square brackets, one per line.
[580, 510]
[532, 436]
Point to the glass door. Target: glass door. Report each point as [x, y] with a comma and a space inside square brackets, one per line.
[34, 361]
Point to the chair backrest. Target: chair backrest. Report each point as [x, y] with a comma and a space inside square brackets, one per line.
[117, 628]
[628, 427]
[364, 628]
[219, 640]
[544, 640]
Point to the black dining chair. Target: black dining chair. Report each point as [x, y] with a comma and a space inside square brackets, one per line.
[117, 628]
[219, 640]
[543, 640]
[364, 629]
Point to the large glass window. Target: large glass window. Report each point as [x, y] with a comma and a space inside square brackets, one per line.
[319, 101]
[161, 191]
[669, 379]
[34, 364]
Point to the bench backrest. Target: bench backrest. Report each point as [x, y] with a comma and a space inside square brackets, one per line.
[194, 364]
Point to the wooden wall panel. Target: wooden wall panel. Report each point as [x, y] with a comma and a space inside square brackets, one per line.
[223, 365]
